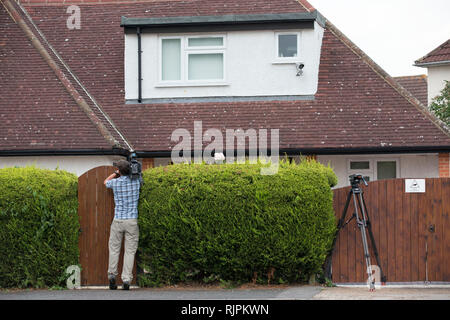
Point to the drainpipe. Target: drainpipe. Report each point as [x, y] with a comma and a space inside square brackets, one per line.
[138, 32]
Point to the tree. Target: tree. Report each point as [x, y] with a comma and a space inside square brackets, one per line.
[440, 105]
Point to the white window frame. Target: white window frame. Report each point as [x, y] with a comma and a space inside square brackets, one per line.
[184, 64]
[281, 60]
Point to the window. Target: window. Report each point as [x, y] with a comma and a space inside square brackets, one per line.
[171, 59]
[374, 169]
[287, 46]
[386, 170]
[359, 165]
[192, 60]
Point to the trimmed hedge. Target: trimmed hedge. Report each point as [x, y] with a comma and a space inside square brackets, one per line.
[230, 223]
[39, 226]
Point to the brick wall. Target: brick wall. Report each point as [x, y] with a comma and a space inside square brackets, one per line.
[444, 165]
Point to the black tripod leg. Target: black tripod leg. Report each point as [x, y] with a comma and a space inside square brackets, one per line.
[372, 239]
[327, 264]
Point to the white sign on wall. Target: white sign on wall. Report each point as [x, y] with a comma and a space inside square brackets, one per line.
[415, 185]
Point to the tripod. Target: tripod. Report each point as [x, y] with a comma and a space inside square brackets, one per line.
[363, 222]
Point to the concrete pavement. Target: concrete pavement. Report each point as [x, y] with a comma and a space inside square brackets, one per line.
[263, 293]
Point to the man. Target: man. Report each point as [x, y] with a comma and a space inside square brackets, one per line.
[126, 197]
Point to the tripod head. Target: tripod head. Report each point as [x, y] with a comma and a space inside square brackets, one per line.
[355, 180]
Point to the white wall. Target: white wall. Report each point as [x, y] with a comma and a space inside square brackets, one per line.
[409, 165]
[75, 164]
[250, 68]
[436, 77]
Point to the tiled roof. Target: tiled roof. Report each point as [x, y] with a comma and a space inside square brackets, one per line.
[417, 85]
[440, 54]
[36, 112]
[354, 107]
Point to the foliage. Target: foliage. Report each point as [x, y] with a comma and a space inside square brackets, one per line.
[39, 227]
[440, 105]
[229, 223]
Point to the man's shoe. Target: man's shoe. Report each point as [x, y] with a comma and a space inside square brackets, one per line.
[112, 284]
[126, 286]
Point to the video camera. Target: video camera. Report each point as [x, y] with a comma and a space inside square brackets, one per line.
[355, 180]
[135, 167]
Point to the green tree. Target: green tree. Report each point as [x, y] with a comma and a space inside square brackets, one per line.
[440, 105]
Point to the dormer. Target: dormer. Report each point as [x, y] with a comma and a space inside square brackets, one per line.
[222, 58]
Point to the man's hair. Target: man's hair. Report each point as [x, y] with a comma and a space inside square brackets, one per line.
[123, 166]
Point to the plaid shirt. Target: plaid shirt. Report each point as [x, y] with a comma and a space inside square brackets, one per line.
[126, 196]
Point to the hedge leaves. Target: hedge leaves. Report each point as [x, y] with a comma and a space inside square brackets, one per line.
[230, 223]
[39, 226]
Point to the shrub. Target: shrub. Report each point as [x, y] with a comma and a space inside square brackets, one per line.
[39, 226]
[229, 223]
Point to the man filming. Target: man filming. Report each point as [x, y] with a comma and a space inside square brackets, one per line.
[126, 197]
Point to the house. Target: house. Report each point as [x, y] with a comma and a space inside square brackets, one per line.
[437, 63]
[83, 84]
[417, 85]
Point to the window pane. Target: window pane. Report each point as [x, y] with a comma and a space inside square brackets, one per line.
[386, 170]
[206, 42]
[171, 59]
[287, 45]
[359, 165]
[205, 66]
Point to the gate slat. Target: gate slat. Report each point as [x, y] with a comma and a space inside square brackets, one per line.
[446, 228]
[399, 234]
[391, 229]
[407, 248]
[414, 237]
[423, 237]
[437, 235]
[82, 183]
[382, 244]
[335, 259]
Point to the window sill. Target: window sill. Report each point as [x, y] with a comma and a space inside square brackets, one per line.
[287, 61]
[195, 84]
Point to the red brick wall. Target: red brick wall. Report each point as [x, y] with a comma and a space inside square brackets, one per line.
[444, 165]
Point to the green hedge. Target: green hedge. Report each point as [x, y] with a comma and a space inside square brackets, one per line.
[230, 223]
[39, 226]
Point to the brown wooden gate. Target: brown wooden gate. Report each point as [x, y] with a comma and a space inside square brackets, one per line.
[96, 212]
[411, 230]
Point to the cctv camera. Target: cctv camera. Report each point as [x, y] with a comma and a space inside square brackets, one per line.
[299, 66]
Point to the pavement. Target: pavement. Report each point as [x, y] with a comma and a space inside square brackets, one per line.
[300, 292]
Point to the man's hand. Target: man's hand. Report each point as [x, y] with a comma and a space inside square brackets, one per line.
[115, 175]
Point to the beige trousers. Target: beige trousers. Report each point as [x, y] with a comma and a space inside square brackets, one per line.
[120, 228]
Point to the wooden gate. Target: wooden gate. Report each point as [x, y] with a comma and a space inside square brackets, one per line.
[411, 230]
[96, 212]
